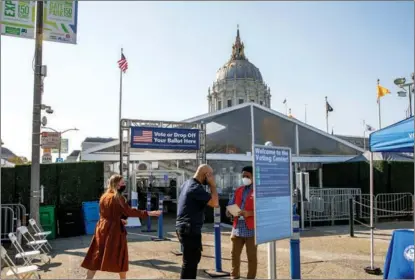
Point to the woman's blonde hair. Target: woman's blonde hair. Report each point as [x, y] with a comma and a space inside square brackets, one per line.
[112, 185]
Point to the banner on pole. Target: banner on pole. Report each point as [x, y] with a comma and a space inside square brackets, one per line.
[17, 18]
[60, 21]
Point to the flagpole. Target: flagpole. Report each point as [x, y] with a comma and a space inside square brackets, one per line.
[286, 108]
[119, 119]
[379, 116]
[305, 113]
[327, 116]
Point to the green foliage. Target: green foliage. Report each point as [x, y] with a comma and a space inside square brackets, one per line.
[7, 185]
[64, 183]
[388, 177]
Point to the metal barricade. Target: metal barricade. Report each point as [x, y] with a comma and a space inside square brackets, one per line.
[389, 205]
[334, 191]
[13, 216]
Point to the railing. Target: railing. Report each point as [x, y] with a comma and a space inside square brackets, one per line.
[13, 216]
[335, 207]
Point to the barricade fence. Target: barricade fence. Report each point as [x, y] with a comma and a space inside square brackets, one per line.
[13, 216]
[326, 207]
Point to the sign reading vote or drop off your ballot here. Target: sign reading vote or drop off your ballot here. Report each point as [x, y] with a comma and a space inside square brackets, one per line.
[164, 138]
[272, 193]
[60, 20]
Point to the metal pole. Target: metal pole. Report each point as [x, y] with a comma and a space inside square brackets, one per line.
[37, 103]
[119, 121]
[60, 145]
[410, 100]
[327, 117]
[371, 193]
[364, 140]
[380, 121]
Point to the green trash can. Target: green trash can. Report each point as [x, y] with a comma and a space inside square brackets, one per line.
[48, 220]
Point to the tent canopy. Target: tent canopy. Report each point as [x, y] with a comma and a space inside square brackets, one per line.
[398, 137]
[382, 156]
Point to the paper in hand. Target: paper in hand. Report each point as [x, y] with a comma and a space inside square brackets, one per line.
[233, 209]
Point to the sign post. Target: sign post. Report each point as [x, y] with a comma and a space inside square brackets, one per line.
[272, 198]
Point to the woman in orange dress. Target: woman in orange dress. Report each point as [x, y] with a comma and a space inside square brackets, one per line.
[108, 250]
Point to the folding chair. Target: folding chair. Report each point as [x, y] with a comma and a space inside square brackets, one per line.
[28, 256]
[21, 272]
[32, 242]
[39, 232]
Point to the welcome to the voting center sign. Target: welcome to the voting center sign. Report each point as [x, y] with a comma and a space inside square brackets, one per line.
[164, 138]
[272, 193]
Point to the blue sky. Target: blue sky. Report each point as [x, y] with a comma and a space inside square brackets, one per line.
[305, 51]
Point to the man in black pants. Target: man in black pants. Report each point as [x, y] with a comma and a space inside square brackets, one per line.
[191, 205]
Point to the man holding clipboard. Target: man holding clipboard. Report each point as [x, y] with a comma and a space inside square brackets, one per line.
[241, 209]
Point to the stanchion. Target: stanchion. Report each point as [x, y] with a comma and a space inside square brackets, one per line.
[148, 218]
[160, 232]
[295, 249]
[218, 254]
[351, 217]
[134, 222]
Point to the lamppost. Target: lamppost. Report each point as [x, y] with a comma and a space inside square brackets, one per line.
[60, 136]
[401, 82]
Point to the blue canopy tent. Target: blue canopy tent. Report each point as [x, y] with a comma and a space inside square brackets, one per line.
[398, 138]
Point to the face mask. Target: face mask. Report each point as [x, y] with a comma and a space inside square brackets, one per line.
[121, 188]
[246, 181]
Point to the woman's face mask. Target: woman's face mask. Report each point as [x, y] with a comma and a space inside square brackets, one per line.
[121, 188]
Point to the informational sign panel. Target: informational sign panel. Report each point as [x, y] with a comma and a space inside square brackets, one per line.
[17, 18]
[50, 140]
[64, 147]
[60, 20]
[59, 160]
[46, 158]
[272, 193]
[164, 138]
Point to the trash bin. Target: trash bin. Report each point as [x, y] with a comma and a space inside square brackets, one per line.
[48, 220]
[70, 221]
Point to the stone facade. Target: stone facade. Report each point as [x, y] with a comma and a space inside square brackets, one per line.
[238, 81]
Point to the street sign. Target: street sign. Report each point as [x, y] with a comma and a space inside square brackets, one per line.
[64, 147]
[46, 158]
[59, 160]
[50, 140]
[272, 193]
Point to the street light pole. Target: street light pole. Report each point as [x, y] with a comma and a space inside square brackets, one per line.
[60, 137]
[37, 101]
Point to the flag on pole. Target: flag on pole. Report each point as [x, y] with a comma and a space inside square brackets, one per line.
[328, 107]
[285, 101]
[382, 91]
[369, 128]
[123, 63]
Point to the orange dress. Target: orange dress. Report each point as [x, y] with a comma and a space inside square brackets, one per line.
[108, 250]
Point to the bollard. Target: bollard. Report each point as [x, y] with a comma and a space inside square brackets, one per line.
[160, 221]
[218, 253]
[351, 217]
[148, 218]
[295, 249]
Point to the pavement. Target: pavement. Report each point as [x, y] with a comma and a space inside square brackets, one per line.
[326, 253]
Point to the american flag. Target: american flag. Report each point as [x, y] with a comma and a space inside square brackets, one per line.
[123, 63]
[143, 136]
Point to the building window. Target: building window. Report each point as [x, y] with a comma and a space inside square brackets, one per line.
[240, 101]
[229, 103]
[252, 100]
[219, 105]
[261, 103]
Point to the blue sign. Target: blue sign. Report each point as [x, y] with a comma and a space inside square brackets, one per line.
[58, 160]
[164, 138]
[272, 193]
[166, 177]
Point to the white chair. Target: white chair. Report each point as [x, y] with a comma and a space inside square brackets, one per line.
[28, 256]
[21, 272]
[32, 242]
[39, 232]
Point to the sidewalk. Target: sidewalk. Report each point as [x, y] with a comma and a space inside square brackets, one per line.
[325, 253]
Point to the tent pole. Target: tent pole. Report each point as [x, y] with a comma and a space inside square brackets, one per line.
[372, 245]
